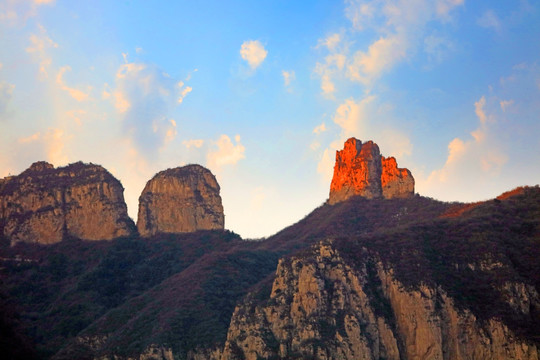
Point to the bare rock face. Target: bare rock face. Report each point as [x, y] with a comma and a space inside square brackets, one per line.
[361, 170]
[323, 307]
[395, 182]
[44, 204]
[183, 199]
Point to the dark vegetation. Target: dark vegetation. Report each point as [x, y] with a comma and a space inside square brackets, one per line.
[472, 257]
[181, 290]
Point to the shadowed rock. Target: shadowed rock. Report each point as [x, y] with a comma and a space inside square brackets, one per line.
[179, 200]
[44, 204]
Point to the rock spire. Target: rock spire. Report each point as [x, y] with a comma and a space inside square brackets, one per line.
[361, 170]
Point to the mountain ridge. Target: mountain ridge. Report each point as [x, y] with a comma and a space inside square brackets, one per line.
[208, 294]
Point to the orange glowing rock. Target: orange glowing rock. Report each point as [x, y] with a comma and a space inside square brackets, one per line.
[361, 170]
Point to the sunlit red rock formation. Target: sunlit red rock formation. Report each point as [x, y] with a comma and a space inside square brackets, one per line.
[183, 199]
[361, 170]
[44, 204]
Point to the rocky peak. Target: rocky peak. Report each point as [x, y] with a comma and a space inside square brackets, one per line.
[361, 170]
[44, 204]
[178, 200]
[326, 305]
[40, 166]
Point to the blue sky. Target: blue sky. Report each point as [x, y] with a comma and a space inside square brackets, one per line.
[264, 92]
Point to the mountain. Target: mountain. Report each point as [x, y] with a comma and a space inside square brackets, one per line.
[360, 170]
[44, 205]
[182, 199]
[405, 277]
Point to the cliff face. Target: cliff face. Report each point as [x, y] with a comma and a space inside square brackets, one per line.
[322, 306]
[361, 170]
[180, 200]
[44, 204]
[395, 182]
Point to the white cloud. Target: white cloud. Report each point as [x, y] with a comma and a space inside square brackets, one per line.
[225, 152]
[253, 52]
[288, 76]
[76, 115]
[183, 93]
[331, 42]
[170, 132]
[332, 65]
[399, 27]
[51, 143]
[394, 143]
[489, 20]
[360, 13]
[13, 12]
[144, 95]
[505, 104]
[352, 116]
[193, 143]
[471, 163]
[319, 128]
[74, 93]
[382, 55]
[40, 44]
[479, 110]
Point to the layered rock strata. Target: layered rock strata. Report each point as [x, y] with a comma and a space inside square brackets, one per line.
[361, 170]
[179, 200]
[323, 307]
[44, 204]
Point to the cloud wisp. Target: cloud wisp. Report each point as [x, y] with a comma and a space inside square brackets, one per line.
[398, 27]
[225, 152]
[144, 96]
[253, 52]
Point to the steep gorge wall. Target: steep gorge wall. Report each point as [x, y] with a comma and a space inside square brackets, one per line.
[322, 307]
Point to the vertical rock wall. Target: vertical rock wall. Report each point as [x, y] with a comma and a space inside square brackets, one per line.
[322, 307]
[44, 204]
[183, 199]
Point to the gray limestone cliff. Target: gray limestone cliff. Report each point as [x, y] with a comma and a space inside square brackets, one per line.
[323, 307]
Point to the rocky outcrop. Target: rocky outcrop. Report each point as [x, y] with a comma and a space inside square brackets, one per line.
[361, 170]
[321, 306]
[44, 204]
[183, 199]
[395, 182]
